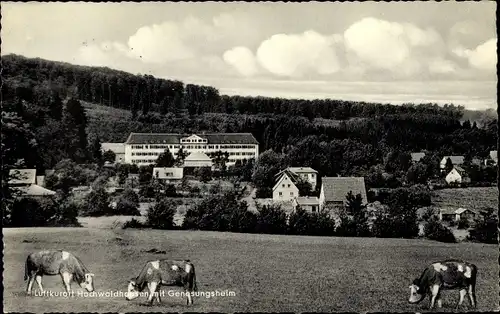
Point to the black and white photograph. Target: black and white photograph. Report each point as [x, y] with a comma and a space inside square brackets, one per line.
[249, 157]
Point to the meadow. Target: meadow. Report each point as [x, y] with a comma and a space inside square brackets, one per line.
[475, 198]
[267, 273]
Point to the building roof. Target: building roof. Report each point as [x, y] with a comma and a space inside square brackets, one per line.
[456, 160]
[198, 156]
[336, 189]
[293, 178]
[302, 170]
[117, 148]
[494, 155]
[417, 156]
[461, 171]
[174, 138]
[168, 173]
[307, 201]
[454, 211]
[34, 190]
[22, 176]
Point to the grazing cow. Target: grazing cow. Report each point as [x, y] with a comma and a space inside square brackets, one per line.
[57, 262]
[163, 273]
[445, 275]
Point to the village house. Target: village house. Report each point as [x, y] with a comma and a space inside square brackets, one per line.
[168, 175]
[307, 174]
[335, 189]
[457, 175]
[197, 160]
[452, 214]
[415, 157]
[308, 203]
[492, 158]
[455, 160]
[24, 184]
[117, 148]
[285, 188]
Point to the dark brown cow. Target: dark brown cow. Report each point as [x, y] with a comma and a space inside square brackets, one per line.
[163, 272]
[445, 275]
[57, 262]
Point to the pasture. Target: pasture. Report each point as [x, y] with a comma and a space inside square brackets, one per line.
[475, 198]
[266, 272]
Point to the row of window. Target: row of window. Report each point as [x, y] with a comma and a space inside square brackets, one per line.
[281, 194]
[158, 154]
[194, 141]
[156, 146]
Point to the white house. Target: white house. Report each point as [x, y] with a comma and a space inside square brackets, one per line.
[307, 174]
[492, 158]
[335, 189]
[117, 148]
[168, 175]
[285, 188]
[144, 148]
[457, 175]
[197, 160]
[308, 203]
[448, 214]
[455, 160]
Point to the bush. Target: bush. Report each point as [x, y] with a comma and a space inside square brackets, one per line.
[271, 219]
[29, 212]
[128, 204]
[170, 190]
[97, 204]
[301, 222]
[161, 215]
[463, 223]
[133, 223]
[486, 229]
[264, 193]
[435, 230]
[204, 174]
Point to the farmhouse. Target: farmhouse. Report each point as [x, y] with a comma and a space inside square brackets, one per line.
[335, 189]
[492, 158]
[449, 214]
[285, 188]
[309, 204]
[168, 175]
[117, 148]
[415, 157]
[144, 148]
[24, 183]
[307, 174]
[455, 160]
[457, 175]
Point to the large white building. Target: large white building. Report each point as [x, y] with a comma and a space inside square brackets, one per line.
[144, 148]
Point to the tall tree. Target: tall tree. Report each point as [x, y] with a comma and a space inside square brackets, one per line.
[166, 159]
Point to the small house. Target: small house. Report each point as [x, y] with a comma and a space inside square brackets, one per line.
[335, 189]
[22, 177]
[457, 175]
[307, 174]
[117, 148]
[308, 203]
[452, 214]
[285, 188]
[168, 175]
[24, 184]
[492, 158]
[197, 160]
[455, 160]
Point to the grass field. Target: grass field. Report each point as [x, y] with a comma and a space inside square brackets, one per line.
[267, 272]
[473, 198]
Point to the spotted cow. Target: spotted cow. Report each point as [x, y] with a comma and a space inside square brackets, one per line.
[445, 275]
[57, 262]
[163, 272]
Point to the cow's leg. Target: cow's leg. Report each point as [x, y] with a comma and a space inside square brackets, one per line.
[31, 280]
[66, 278]
[472, 296]
[152, 289]
[158, 294]
[463, 292]
[434, 293]
[39, 281]
[189, 297]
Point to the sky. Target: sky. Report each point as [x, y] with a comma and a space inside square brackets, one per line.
[390, 52]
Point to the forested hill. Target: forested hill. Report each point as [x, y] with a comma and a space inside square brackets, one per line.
[42, 110]
[144, 93]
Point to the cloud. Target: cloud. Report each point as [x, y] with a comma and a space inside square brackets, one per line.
[295, 55]
[483, 57]
[442, 66]
[242, 59]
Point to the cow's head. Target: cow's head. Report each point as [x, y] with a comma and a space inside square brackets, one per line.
[132, 291]
[416, 295]
[88, 284]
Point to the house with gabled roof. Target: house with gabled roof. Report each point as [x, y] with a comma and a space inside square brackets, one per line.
[450, 214]
[197, 160]
[308, 203]
[285, 188]
[457, 175]
[307, 174]
[168, 174]
[25, 183]
[20, 177]
[455, 160]
[117, 148]
[335, 189]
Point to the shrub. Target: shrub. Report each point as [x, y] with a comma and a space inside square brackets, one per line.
[161, 215]
[128, 204]
[133, 223]
[435, 230]
[97, 203]
[170, 190]
[486, 229]
[463, 223]
[271, 219]
[29, 212]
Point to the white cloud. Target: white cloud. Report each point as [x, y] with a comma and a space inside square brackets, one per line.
[484, 57]
[294, 55]
[442, 66]
[242, 59]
